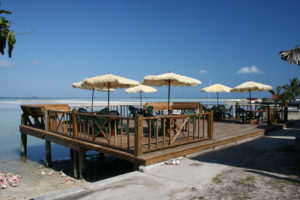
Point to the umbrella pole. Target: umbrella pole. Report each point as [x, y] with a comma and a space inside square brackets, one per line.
[141, 99]
[250, 99]
[108, 97]
[93, 99]
[169, 91]
[218, 99]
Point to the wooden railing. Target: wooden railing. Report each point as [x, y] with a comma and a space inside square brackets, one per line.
[114, 131]
[154, 133]
[134, 135]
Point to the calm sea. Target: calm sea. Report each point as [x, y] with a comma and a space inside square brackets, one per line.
[10, 113]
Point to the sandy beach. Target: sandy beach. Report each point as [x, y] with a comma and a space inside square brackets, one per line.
[37, 180]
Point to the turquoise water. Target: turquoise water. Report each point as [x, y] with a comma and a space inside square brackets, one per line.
[10, 113]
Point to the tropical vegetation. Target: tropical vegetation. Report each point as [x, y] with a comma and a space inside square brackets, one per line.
[7, 36]
[287, 93]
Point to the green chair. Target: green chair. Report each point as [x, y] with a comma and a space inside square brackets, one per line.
[243, 114]
[132, 111]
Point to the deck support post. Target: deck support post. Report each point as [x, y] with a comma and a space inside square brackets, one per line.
[82, 163]
[48, 154]
[23, 152]
[101, 156]
[75, 164]
[79, 163]
[138, 135]
[71, 154]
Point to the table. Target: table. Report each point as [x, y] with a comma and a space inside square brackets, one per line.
[252, 114]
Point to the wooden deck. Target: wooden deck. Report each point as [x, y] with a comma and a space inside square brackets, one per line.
[224, 133]
[140, 140]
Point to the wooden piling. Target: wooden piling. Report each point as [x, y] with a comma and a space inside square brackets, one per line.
[101, 156]
[48, 154]
[82, 163]
[76, 164]
[48, 160]
[23, 152]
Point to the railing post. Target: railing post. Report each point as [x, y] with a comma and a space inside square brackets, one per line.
[74, 121]
[138, 135]
[210, 127]
[285, 114]
[269, 120]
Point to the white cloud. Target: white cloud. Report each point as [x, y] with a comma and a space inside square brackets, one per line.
[35, 62]
[202, 71]
[249, 70]
[5, 63]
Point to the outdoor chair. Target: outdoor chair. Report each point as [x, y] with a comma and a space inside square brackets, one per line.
[243, 115]
[260, 115]
[149, 111]
[228, 112]
[82, 110]
[204, 108]
[132, 111]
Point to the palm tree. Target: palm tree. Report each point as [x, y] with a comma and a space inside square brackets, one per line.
[276, 93]
[293, 89]
[292, 56]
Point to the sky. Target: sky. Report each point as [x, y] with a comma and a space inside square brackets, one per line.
[60, 42]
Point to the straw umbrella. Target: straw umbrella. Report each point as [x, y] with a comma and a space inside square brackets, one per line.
[81, 85]
[170, 79]
[141, 89]
[216, 88]
[251, 86]
[292, 56]
[109, 81]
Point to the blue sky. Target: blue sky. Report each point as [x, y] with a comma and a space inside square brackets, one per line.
[215, 41]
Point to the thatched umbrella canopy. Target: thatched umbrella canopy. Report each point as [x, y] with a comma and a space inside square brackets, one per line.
[292, 56]
[141, 89]
[216, 88]
[81, 85]
[251, 86]
[109, 81]
[170, 79]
